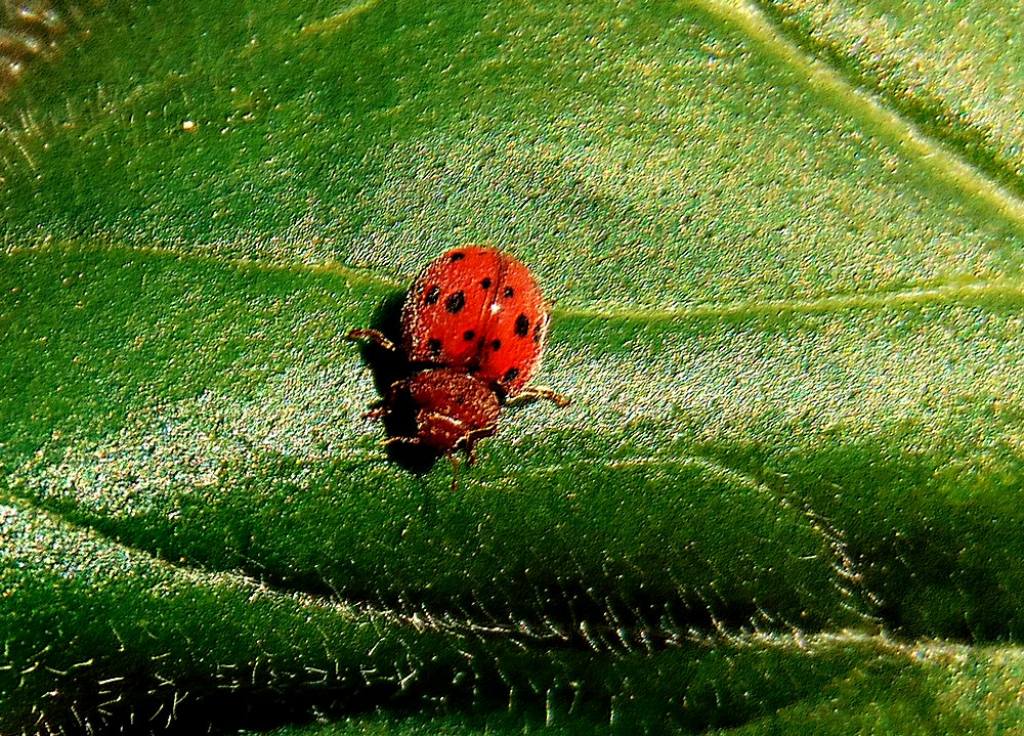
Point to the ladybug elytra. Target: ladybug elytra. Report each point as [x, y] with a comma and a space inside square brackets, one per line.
[474, 325]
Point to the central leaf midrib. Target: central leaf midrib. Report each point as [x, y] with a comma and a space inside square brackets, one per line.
[994, 293]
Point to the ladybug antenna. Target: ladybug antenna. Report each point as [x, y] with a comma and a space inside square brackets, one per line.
[374, 337]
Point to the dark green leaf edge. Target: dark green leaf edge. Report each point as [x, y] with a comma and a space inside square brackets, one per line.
[308, 654]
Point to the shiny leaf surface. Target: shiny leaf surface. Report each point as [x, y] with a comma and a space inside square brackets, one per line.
[787, 276]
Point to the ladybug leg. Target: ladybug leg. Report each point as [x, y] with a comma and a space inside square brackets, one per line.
[468, 441]
[383, 407]
[377, 412]
[374, 336]
[414, 441]
[532, 394]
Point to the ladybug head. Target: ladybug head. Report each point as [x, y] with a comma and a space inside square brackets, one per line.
[453, 409]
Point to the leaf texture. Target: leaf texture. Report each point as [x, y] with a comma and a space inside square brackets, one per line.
[786, 261]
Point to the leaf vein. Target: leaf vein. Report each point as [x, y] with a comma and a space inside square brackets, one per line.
[869, 109]
[974, 293]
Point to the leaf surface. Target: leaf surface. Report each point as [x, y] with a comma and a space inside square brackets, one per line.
[788, 312]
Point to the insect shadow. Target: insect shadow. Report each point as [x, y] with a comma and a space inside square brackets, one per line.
[389, 367]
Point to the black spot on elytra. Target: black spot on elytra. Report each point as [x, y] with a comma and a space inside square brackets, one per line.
[457, 256]
[468, 335]
[433, 295]
[434, 346]
[522, 325]
[509, 292]
[510, 375]
[485, 284]
[496, 344]
[455, 302]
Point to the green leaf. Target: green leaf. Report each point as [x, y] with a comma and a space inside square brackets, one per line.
[786, 258]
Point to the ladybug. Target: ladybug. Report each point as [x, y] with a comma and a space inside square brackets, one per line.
[474, 325]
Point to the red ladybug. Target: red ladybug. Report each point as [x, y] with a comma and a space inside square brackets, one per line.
[473, 330]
